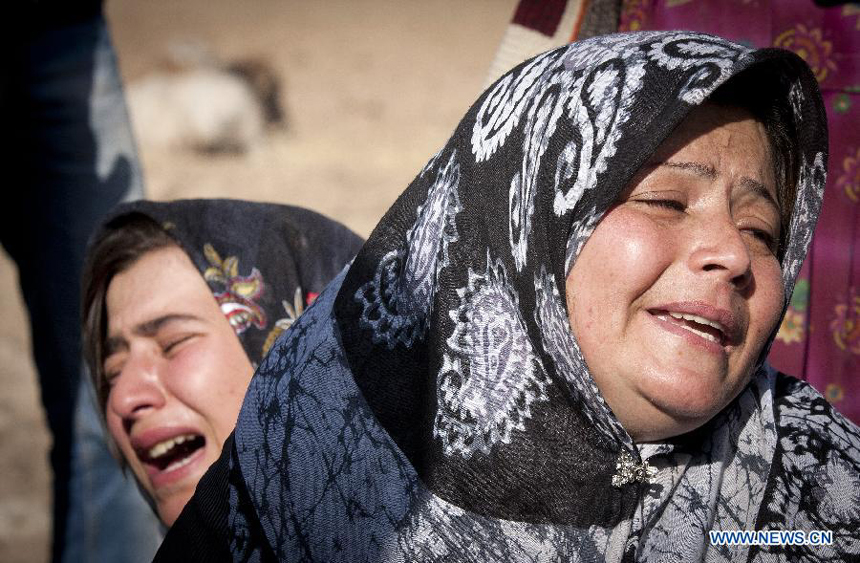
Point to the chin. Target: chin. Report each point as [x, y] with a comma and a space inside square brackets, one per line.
[691, 393]
[662, 426]
[169, 511]
[690, 410]
[678, 417]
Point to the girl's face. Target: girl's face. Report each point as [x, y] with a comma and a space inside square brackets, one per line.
[677, 290]
[177, 375]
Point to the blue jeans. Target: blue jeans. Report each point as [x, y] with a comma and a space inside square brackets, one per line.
[67, 139]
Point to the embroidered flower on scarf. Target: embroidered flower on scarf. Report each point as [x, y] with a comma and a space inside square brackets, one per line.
[293, 312]
[846, 324]
[810, 45]
[237, 298]
[849, 180]
[793, 324]
[490, 375]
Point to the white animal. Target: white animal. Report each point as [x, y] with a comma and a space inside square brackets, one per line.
[196, 103]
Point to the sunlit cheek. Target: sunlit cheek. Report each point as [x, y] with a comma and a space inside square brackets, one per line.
[639, 252]
[235, 369]
[228, 380]
[190, 371]
[622, 259]
[636, 250]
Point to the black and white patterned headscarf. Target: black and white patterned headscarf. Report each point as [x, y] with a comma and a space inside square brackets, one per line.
[433, 404]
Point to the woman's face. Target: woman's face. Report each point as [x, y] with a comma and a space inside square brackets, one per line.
[677, 290]
[177, 375]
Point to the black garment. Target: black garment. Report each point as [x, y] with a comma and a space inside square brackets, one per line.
[203, 527]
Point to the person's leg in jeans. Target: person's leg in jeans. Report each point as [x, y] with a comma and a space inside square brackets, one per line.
[67, 136]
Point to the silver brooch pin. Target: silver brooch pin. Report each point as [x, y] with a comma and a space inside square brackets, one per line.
[627, 471]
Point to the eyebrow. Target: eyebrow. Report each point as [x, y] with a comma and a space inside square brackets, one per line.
[146, 328]
[710, 173]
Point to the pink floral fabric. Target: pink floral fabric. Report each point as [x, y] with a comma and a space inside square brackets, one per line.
[819, 339]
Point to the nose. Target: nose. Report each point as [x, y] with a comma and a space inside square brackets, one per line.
[720, 251]
[137, 389]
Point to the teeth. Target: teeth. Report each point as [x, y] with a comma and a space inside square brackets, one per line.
[162, 448]
[697, 319]
[701, 333]
[180, 463]
[694, 330]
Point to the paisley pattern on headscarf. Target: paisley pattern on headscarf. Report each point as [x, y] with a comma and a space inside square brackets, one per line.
[258, 258]
[433, 404]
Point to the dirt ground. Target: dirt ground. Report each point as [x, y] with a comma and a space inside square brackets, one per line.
[372, 90]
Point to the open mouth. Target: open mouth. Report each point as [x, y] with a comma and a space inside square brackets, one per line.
[709, 330]
[172, 453]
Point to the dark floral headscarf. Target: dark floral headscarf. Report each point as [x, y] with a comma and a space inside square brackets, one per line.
[433, 404]
[263, 262]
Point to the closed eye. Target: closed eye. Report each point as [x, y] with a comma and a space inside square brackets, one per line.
[672, 204]
[112, 367]
[172, 345]
[765, 237]
[110, 378]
